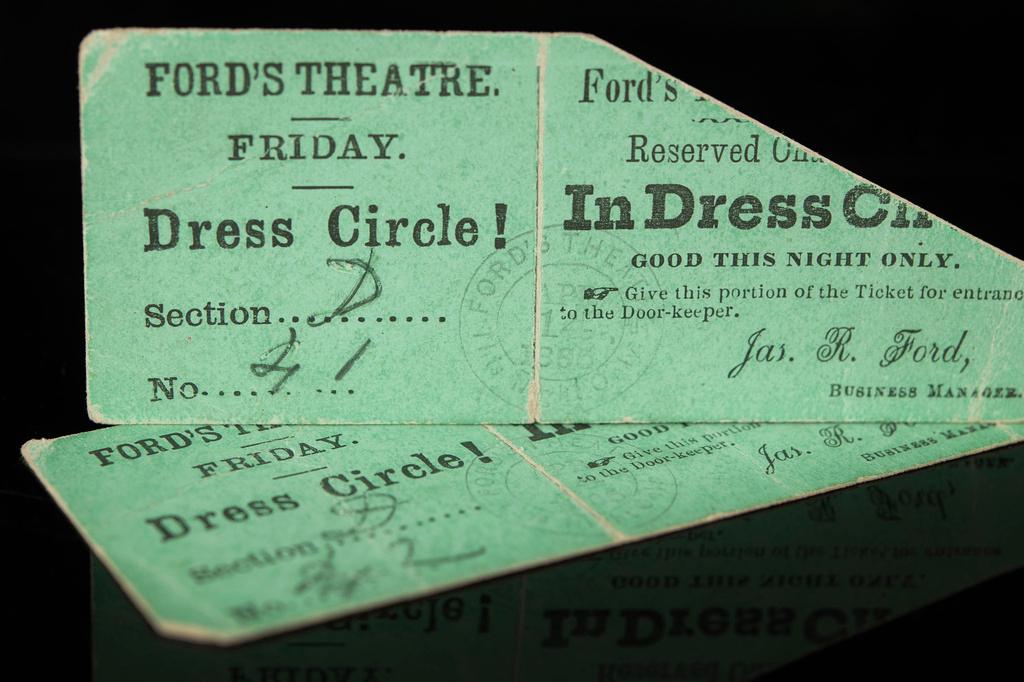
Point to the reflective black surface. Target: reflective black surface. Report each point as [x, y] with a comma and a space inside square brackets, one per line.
[930, 118]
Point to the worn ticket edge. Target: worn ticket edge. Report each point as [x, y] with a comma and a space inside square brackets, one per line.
[111, 37]
[33, 450]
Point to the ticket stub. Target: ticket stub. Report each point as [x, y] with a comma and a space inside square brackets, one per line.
[225, 533]
[407, 227]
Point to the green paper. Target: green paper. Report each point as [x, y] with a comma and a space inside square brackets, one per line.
[226, 533]
[346, 227]
[751, 593]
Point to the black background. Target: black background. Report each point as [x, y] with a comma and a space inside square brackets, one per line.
[916, 100]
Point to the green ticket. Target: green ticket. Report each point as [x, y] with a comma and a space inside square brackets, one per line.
[407, 227]
[723, 602]
[225, 533]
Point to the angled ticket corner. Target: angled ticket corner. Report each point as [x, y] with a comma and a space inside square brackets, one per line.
[699, 265]
[226, 533]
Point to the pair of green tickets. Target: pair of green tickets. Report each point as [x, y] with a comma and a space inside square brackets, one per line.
[495, 300]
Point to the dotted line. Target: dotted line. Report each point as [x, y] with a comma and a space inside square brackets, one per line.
[357, 535]
[392, 318]
[430, 519]
[239, 394]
